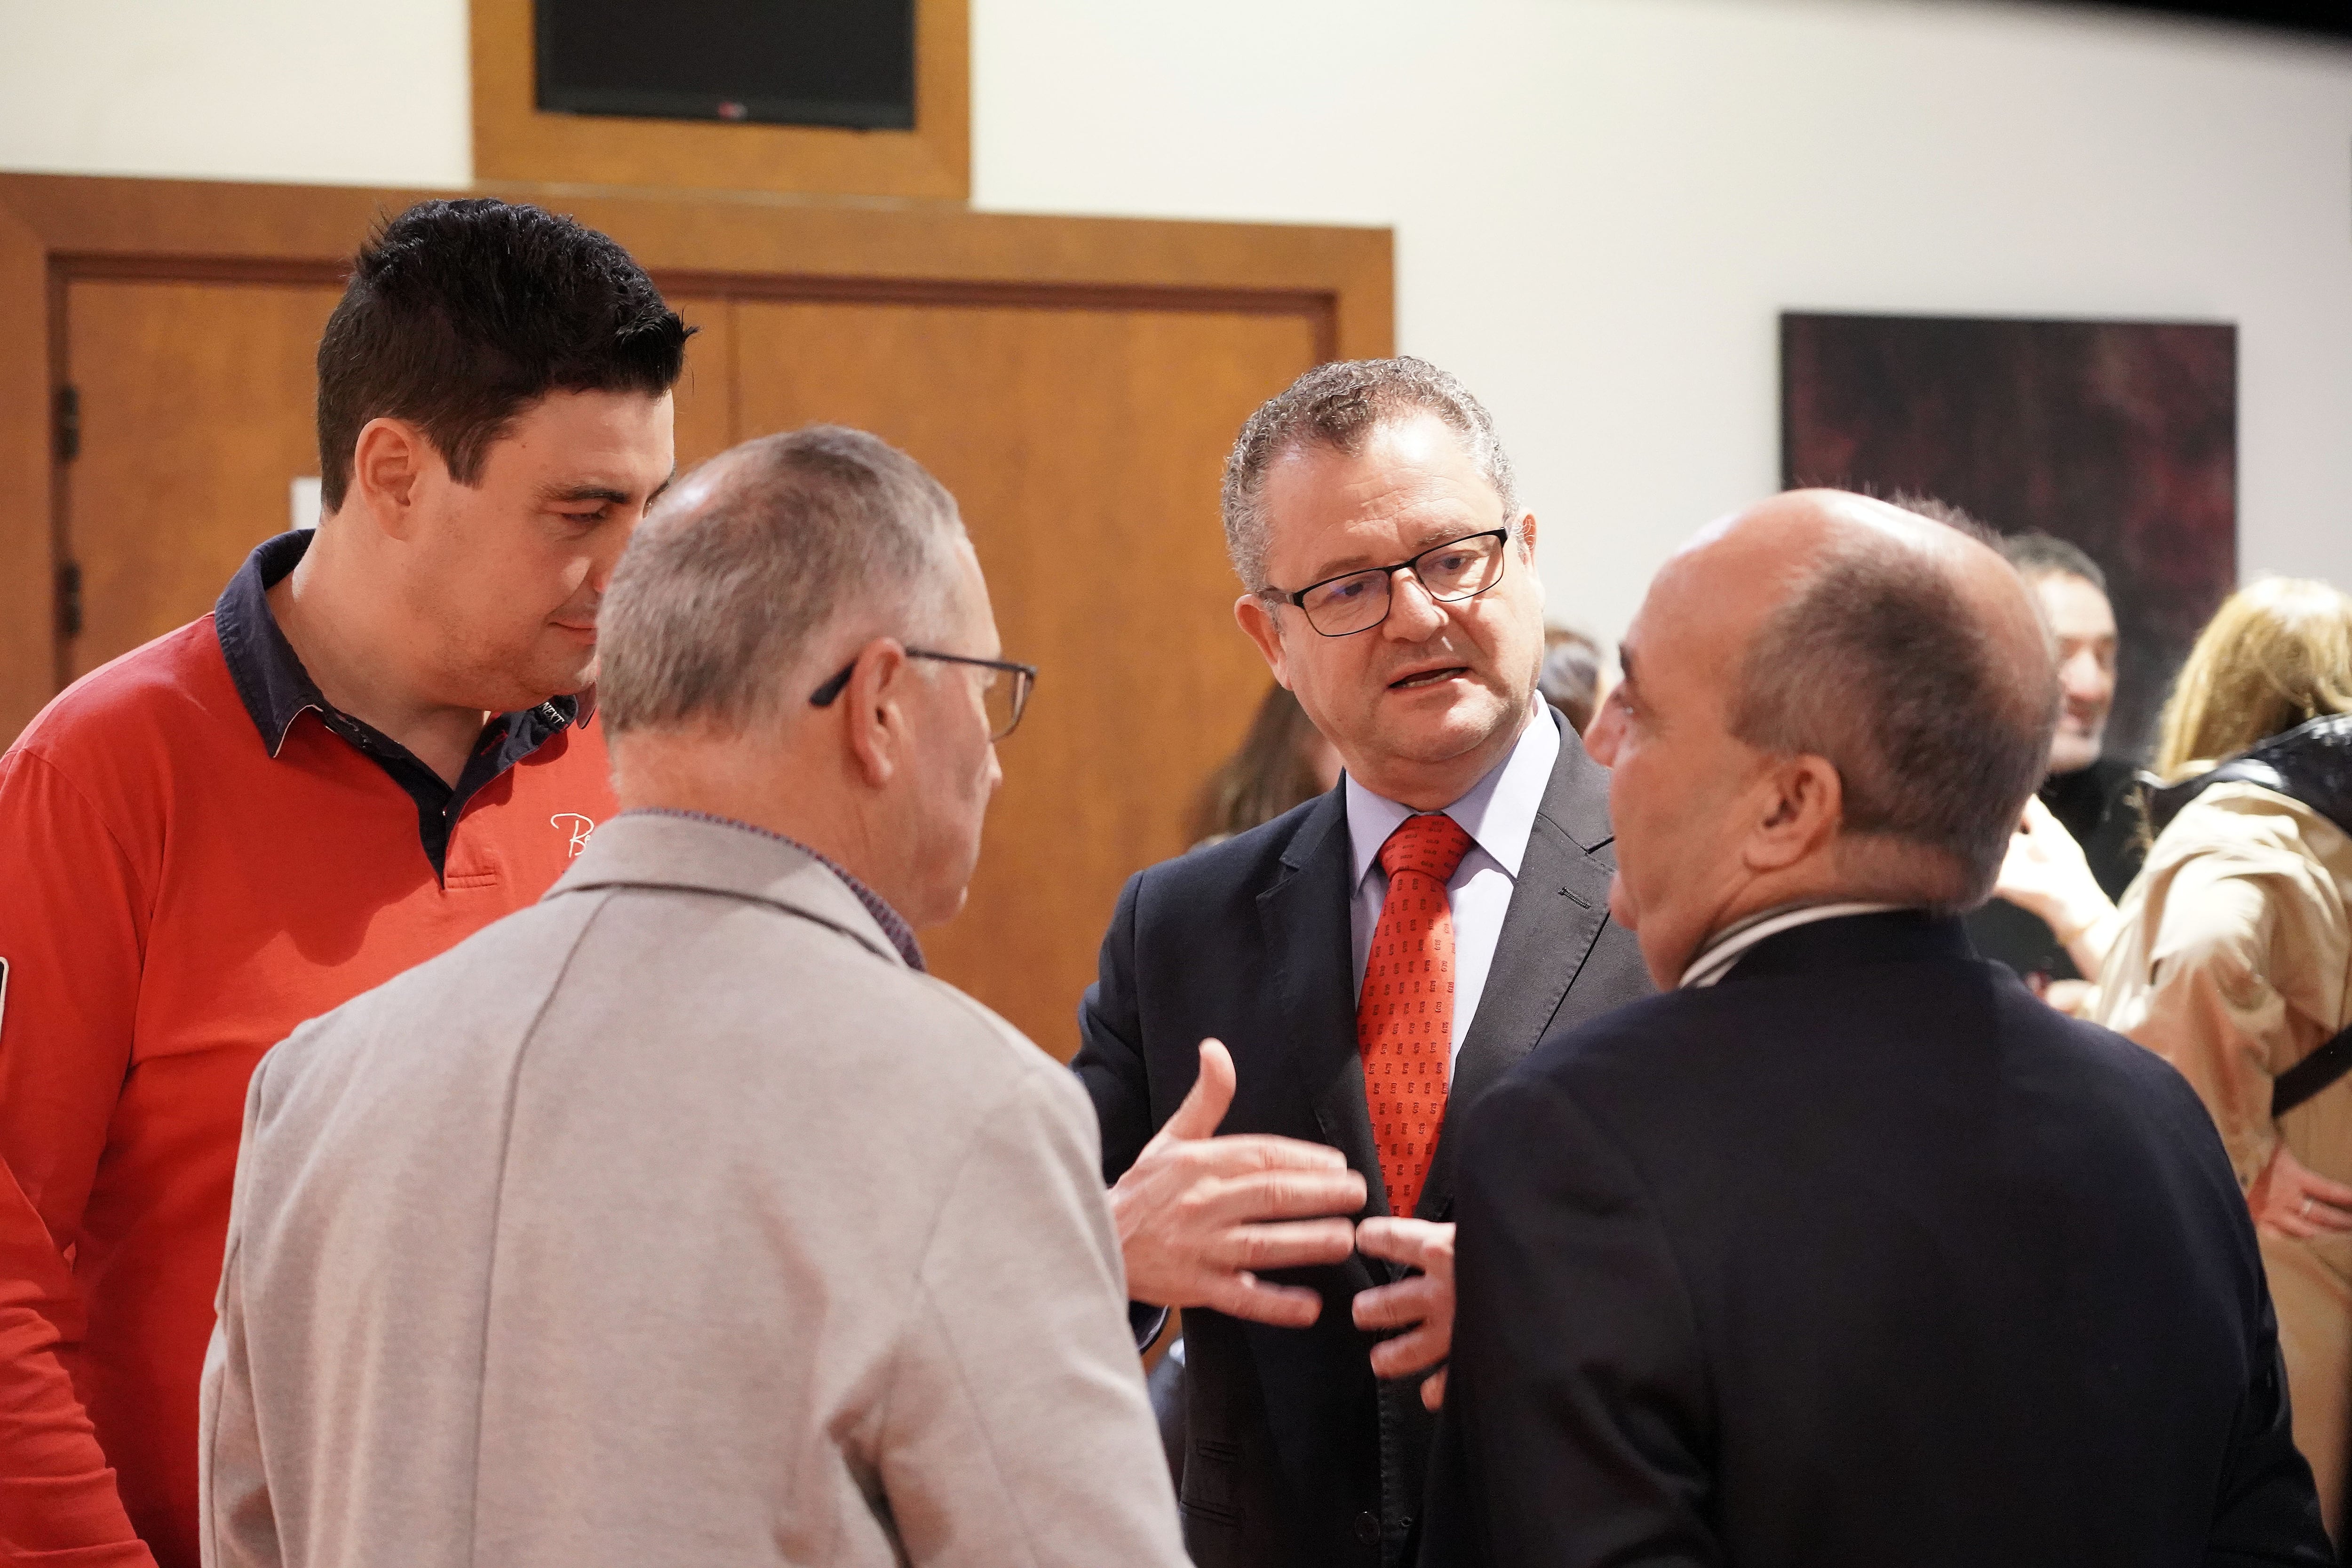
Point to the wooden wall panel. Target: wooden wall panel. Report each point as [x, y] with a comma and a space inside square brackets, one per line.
[705, 243]
[196, 415]
[1085, 447]
[513, 141]
[28, 511]
[1076, 381]
[706, 395]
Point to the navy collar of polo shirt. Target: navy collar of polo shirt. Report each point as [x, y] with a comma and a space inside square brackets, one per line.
[277, 690]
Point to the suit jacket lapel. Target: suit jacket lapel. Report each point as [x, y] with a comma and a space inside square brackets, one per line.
[1304, 920]
[1559, 906]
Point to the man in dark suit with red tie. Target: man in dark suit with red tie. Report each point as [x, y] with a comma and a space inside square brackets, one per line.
[1330, 991]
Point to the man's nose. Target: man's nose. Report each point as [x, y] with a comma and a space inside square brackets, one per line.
[2082, 677]
[1413, 613]
[601, 566]
[1601, 735]
[606, 555]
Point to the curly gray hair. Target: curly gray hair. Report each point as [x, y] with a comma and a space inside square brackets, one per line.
[1338, 406]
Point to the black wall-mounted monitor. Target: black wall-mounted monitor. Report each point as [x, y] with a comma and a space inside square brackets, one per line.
[774, 62]
[2324, 16]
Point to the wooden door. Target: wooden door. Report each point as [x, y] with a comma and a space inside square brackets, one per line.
[1083, 444]
[196, 405]
[196, 401]
[1084, 447]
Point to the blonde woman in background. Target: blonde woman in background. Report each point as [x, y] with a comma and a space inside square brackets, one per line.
[2230, 953]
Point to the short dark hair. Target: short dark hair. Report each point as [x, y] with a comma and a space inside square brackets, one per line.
[1337, 405]
[2041, 555]
[460, 313]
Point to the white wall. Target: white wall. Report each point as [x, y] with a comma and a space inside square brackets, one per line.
[1600, 205]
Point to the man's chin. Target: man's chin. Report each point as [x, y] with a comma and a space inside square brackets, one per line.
[1439, 734]
[569, 676]
[529, 684]
[2072, 754]
[1621, 903]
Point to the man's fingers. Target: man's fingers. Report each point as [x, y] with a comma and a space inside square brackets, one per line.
[1432, 1390]
[1398, 1306]
[1409, 1353]
[1240, 1154]
[1302, 1244]
[2327, 1216]
[1282, 1195]
[2326, 1192]
[1283, 1306]
[1210, 1096]
[1407, 1241]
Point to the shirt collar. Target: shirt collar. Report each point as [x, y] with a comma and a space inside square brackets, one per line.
[269, 675]
[1498, 812]
[894, 926]
[1715, 958]
[275, 687]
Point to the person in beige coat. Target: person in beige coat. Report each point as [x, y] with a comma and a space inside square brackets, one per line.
[2230, 953]
[683, 1218]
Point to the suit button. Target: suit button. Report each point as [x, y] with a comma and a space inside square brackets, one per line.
[1368, 1530]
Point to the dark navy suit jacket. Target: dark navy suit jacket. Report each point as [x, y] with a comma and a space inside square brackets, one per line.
[1863, 1257]
[1295, 1454]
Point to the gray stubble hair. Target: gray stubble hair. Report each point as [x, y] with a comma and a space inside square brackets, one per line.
[719, 598]
[1337, 405]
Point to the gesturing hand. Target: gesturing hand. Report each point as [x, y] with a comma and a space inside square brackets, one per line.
[1424, 1304]
[1199, 1215]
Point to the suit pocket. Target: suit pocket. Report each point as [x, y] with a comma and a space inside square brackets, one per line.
[1212, 1482]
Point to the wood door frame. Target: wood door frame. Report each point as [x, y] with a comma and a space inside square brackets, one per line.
[56, 228]
[514, 140]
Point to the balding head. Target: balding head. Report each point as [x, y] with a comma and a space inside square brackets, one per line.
[1830, 697]
[1909, 655]
[717, 613]
[799, 639]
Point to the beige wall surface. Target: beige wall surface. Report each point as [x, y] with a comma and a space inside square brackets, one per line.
[1600, 205]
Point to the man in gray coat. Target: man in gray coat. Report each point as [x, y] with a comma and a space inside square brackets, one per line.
[682, 1219]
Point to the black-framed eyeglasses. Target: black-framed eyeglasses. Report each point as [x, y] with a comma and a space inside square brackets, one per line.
[1356, 602]
[1004, 694]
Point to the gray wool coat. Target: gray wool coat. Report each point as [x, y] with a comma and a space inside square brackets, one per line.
[673, 1220]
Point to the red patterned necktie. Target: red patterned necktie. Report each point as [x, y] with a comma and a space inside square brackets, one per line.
[1404, 1017]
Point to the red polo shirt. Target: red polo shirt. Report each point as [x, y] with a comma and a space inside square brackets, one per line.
[196, 854]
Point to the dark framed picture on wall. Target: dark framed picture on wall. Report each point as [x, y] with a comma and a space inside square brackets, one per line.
[2117, 437]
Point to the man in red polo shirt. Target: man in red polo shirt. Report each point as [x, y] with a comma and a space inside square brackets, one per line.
[379, 742]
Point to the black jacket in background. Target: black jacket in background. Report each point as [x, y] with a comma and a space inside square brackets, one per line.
[1295, 1454]
[2100, 806]
[1862, 1257]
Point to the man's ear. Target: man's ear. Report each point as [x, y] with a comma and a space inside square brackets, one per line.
[1803, 805]
[387, 460]
[874, 706]
[1257, 619]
